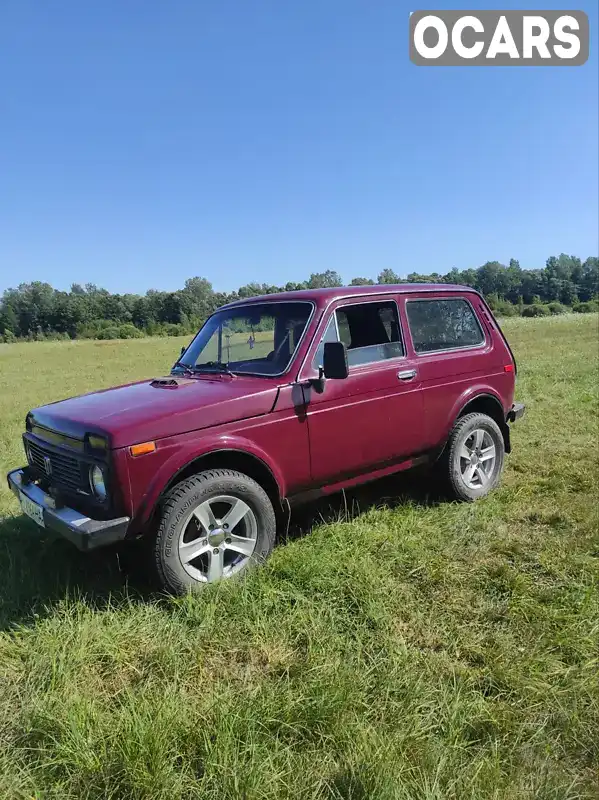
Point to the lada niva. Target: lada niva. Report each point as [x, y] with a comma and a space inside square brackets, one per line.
[277, 400]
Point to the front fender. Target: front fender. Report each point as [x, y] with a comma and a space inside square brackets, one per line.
[176, 457]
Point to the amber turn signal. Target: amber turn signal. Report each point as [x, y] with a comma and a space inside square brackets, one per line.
[142, 449]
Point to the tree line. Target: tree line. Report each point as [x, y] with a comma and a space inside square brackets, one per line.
[37, 311]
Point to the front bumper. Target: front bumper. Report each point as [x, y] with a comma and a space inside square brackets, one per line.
[84, 532]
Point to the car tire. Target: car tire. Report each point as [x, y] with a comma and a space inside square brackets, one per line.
[474, 456]
[194, 545]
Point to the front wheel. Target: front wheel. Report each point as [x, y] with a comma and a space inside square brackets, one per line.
[474, 456]
[213, 526]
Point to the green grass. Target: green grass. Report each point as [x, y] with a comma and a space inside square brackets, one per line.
[235, 347]
[395, 646]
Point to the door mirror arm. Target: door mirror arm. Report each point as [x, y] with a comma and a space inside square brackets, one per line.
[334, 367]
[318, 383]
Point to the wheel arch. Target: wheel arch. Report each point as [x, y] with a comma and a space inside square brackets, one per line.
[489, 404]
[228, 458]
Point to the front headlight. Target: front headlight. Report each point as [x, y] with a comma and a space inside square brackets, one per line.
[97, 482]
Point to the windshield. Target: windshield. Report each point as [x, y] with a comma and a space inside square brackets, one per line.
[260, 338]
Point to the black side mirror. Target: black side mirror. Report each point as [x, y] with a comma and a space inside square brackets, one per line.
[334, 360]
[182, 349]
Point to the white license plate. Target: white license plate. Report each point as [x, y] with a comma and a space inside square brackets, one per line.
[32, 509]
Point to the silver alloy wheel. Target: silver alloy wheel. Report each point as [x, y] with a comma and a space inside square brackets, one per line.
[477, 459]
[218, 538]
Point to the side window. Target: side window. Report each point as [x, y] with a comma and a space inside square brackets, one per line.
[370, 331]
[443, 325]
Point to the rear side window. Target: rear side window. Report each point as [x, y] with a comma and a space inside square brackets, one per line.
[443, 324]
[370, 331]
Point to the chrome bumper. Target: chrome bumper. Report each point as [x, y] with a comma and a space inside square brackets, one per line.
[84, 532]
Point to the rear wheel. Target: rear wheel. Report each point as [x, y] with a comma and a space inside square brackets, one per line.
[474, 456]
[213, 526]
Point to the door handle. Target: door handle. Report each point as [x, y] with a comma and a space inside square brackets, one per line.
[406, 374]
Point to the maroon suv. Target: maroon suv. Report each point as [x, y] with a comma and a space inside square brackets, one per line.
[277, 399]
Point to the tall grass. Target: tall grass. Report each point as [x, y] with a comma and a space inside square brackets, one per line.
[395, 646]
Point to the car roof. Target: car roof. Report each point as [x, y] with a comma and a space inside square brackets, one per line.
[324, 296]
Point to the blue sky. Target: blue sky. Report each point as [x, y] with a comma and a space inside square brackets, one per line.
[145, 142]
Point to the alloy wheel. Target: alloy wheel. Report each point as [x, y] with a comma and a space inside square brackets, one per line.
[218, 539]
[477, 459]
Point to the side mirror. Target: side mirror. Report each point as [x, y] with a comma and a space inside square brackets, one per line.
[334, 360]
[182, 350]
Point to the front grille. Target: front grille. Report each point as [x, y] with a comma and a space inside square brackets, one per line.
[64, 470]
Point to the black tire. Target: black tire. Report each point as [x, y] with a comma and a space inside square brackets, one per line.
[176, 512]
[452, 461]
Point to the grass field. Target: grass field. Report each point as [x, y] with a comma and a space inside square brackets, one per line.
[395, 646]
[235, 346]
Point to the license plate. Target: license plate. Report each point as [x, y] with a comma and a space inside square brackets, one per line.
[32, 509]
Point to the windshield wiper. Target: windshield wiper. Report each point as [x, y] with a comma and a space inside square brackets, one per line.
[186, 367]
[213, 365]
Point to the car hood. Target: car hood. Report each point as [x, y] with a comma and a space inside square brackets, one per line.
[154, 409]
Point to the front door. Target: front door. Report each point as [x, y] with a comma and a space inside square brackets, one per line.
[374, 417]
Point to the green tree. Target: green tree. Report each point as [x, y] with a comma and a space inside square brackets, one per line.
[567, 293]
[589, 282]
[35, 310]
[9, 321]
[324, 280]
[513, 281]
[492, 277]
[250, 290]
[387, 276]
